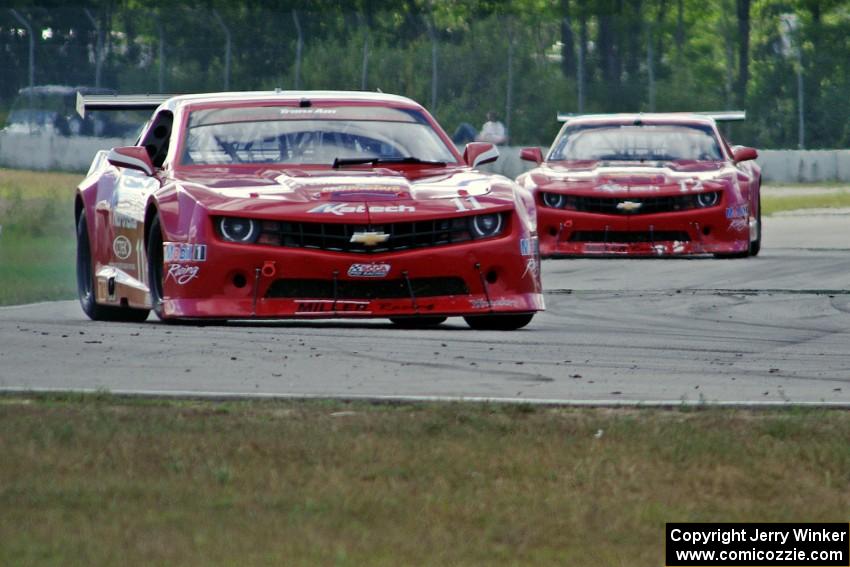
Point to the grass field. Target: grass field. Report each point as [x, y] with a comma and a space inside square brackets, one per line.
[840, 198]
[37, 243]
[95, 480]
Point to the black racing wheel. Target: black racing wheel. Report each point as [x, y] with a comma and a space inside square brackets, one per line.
[85, 284]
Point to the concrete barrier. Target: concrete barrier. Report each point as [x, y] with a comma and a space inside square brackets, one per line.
[44, 152]
[778, 166]
[47, 152]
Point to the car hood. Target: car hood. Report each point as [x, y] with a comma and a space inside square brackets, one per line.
[635, 179]
[334, 193]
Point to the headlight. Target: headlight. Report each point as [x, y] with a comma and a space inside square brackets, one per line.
[554, 200]
[234, 229]
[483, 226]
[708, 199]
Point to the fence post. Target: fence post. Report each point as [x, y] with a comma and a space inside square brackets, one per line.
[98, 55]
[429, 25]
[23, 21]
[226, 31]
[298, 48]
[509, 94]
[364, 69]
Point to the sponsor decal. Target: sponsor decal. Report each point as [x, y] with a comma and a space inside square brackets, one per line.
[739, 224]
[530, 267]
[122, 220]
[484, 304]
[368, 270]
[737, 211]
[307, 110]
[530, 246]
[341, 209]
[182, 274]
[405, 306]
[329, 306]
[392, 189]
[182, 252]
[122, 248]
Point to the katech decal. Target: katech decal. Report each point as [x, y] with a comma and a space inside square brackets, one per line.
[181, 252]
[122, 247]
[182, 274]
[341, 209]
[369, 270]
[612, 188]
[328, 306]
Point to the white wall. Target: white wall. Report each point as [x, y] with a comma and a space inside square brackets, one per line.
[46, 152]
[49, 152]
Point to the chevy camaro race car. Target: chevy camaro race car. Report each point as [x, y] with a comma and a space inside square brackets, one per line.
[304, 205]
[646, 184]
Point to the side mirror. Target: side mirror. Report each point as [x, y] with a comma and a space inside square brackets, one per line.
[132, 157]
[531, 154]
[479, 153]
[743, 153]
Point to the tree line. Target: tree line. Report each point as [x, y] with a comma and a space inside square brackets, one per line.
[787, 62]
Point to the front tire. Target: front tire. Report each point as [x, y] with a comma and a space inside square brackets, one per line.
[155, 261]
[85, 284]
[499, 322]
[755, 245]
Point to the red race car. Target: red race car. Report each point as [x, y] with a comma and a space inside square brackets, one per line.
[646, 185]
[303, 205]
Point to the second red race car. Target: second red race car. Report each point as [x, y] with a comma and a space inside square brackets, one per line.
[646, 185]
[306, 205]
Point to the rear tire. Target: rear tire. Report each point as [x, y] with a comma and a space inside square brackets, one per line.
[85, 284]
[417, 322]
[499, 322]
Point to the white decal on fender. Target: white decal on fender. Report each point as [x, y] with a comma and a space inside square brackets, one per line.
[182, 274]
[121, 247]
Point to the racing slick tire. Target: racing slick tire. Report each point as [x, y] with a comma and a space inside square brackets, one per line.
[155, 260]
[417, 322]
[755, 245]
[499, 322]
[85, 284]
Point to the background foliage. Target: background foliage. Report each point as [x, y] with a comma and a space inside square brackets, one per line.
[525, 59]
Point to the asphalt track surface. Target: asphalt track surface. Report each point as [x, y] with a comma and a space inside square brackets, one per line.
[769, 330]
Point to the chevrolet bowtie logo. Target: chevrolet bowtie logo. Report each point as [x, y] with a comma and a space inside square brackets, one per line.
[369, 238]
[629, 206]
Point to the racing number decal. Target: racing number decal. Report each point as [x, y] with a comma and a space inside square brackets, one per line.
[472, 202]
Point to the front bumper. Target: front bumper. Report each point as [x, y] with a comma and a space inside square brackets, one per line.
[250, 281]
[693, 232]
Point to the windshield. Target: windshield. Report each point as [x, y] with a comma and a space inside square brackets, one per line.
[311, 135]
[637, 142]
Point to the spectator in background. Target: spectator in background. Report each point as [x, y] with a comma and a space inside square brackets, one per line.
[493, 131]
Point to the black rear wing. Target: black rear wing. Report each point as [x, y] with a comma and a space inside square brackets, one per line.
[718, 116]
[118, 102]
